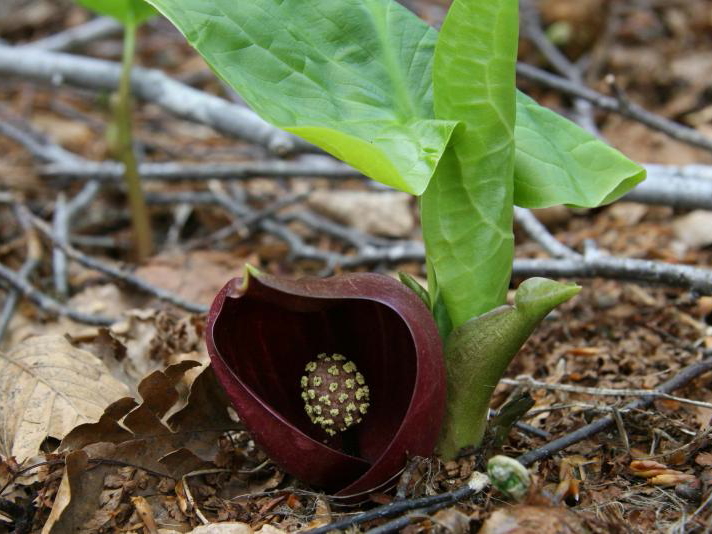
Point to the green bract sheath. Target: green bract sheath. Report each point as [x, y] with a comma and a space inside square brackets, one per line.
[478, 352]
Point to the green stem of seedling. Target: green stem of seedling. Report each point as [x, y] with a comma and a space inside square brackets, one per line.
[123, 149]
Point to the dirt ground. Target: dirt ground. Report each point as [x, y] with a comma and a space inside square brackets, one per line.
[616, 334]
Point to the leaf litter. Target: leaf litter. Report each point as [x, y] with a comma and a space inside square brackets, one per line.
[615, 336]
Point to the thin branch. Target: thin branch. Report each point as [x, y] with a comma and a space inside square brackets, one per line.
[532, 26]
[685, 376]
[152, 86]
[39, 147]
[477, 483]
[538, 232]
[32, 261]
[627, 109]
[687, 186]
[241, 226]
[603, 392]
[47, 303]
[78, 36]
[117, 273]
[64, 213]
[631, 269]
[322, 166]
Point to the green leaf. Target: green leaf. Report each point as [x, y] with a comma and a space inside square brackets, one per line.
[126, 11]
[351, 76]
[466, 211]
[559, 163]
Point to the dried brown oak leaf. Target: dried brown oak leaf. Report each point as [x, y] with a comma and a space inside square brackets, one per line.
[48, 387]
[154, 435]
[143, 435]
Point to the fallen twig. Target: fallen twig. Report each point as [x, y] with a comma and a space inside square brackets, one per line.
[627, 109]
[115, 272]
[64, 213]
[603, 392]
[32, 261]
[476, 484]
[685, 376]
[538, 232]
[78, 36]
[687, 186]
[109, 171]
[152, 86]
[634, 270]
[47, 303]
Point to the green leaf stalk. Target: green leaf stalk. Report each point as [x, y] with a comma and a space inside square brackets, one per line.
[124, 152]
[131, 13]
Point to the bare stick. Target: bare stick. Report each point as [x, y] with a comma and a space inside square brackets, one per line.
[685, 376]
[152, 86]
[628, 109]
[117, 273]
[687, 186]
[60, 223]
[174, 172]
[40, 148]
[531, 23]
[604, 392]
[634, 270]
[538, 232]
[47, 303]
[78, 36]
[476, 484]
[32, 261]
[64, 213]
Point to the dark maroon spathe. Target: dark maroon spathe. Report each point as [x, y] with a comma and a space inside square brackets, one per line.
[261, 334]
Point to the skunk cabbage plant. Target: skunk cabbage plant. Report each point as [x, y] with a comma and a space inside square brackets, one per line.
[435, 114]
[385, 367]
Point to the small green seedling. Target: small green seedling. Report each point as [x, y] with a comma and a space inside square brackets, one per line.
[434, 114]
[131, 13]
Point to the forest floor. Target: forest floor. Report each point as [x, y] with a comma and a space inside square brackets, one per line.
[589, 360]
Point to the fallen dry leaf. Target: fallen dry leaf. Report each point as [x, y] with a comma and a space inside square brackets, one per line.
[76, 498]
[143, 509]
[704, 459]
[525, 519]
[693, 228]
[453, 521]
[47, 387]
[659, 474]
[142, 435]
[388, 214]
[195, 275]
[224, 528]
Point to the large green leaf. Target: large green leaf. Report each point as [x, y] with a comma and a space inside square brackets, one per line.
[351, 76]
[126, 11]
[354, 77]
[559, 163]
[467, 209]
